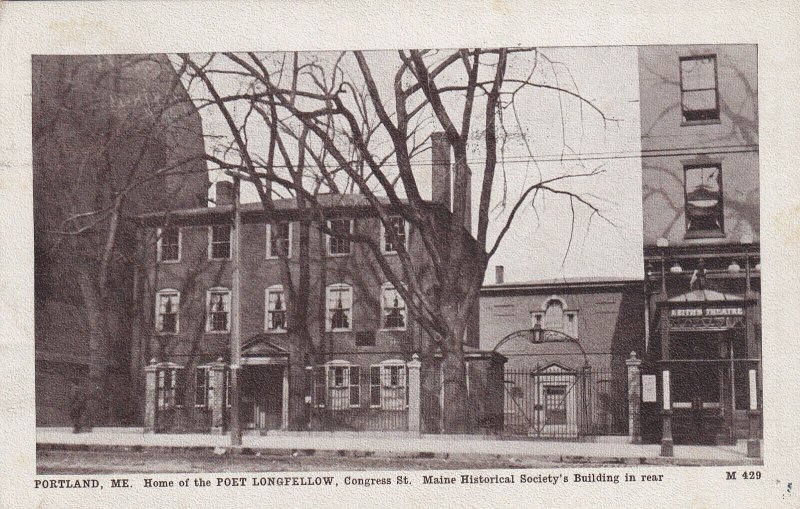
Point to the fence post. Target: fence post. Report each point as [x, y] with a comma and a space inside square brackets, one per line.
[414, 406]
[150, 372]
[634, 399]
[218, 403]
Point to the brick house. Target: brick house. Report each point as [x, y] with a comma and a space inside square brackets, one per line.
[362, 336]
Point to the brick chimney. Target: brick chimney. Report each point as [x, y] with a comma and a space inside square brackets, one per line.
[442, 183]
[498, 274]
[440, 169]
[224, 193]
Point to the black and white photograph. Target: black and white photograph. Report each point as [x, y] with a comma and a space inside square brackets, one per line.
[405, 269]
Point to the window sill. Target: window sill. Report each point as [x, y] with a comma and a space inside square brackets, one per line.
[275, 331]
[339, 330]
[219, 259]
[338, 255]
[393, 329]
[689, 123]
[161, 333]
[168, 262]
[710, 234]
[218, 332]
[277, 257]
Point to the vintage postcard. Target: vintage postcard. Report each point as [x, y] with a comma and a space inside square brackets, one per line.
[295, 263]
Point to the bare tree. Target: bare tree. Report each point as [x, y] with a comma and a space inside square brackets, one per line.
[367, 135]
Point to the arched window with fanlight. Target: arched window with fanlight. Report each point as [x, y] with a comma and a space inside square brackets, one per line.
[276, 309]
[218, 305]
[339, 307]
[555, 316]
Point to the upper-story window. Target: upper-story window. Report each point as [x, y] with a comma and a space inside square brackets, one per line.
[276, 309]
[168, 244]
[279, 239]
[219, 242]
[219, 310]
[699, 94]
[555, 317]
[704, 213]
[393, 312]
[167, 307]
[398, 226]
[339, 246]
[339, 307]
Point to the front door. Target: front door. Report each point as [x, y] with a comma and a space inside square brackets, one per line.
[262, 397]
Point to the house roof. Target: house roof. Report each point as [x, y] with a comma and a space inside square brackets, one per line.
[329, 201]
[561, 283]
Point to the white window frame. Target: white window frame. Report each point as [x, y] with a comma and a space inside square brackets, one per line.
[386, 368]
[208, 386]
[328, 310]
[159, 252]
[209, 292]
[268, 312]
[348, 369]
[211, 242]
[270, 255]
[158, 322]
[713, 114]
[330, 238]
[568, 327]
[383, 235]
[384, 288]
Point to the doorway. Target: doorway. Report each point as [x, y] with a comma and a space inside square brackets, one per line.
[262, 397]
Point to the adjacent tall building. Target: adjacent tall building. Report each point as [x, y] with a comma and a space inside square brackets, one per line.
[105, 131]
[699, 130]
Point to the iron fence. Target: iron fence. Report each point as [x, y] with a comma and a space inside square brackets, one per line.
[352, 398]
[563, 404]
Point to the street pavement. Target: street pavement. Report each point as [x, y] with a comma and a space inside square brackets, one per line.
[398, 444]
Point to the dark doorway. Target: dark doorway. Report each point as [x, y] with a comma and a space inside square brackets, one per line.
[262, 397]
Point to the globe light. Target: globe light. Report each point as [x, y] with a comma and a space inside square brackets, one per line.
[676, 268]
[734, 267]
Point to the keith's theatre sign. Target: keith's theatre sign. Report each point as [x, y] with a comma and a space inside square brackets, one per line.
[706, 319]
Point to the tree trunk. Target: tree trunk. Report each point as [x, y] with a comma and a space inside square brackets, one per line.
[454, 394]
[97, 392]
[298, 382]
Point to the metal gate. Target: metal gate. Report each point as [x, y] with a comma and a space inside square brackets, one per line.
[557, 402]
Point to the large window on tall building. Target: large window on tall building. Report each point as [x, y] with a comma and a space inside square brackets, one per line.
[704, 213]
[699, 94]
[556, 318]
[218, 304]
[167, 307]
[339, 307]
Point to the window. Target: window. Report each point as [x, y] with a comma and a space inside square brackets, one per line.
[170, 387]
[219, 308]
[344, 385]
[388, 385]
[393, 312]
[338, 246]
[167, 306]
[555, 404]
[339, 307]
[398, 226]
[203, 387]
[555, 317]
[699, 95]
[276, 309]
[703, 200]
[168, 244]
[279, 239]
[220, 242]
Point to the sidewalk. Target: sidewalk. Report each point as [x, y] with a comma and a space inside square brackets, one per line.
[393, 444]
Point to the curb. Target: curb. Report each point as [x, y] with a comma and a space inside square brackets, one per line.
[571, 460]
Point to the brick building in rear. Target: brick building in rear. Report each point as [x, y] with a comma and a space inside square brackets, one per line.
[567, 342]
[361, 335]
[103, 127]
